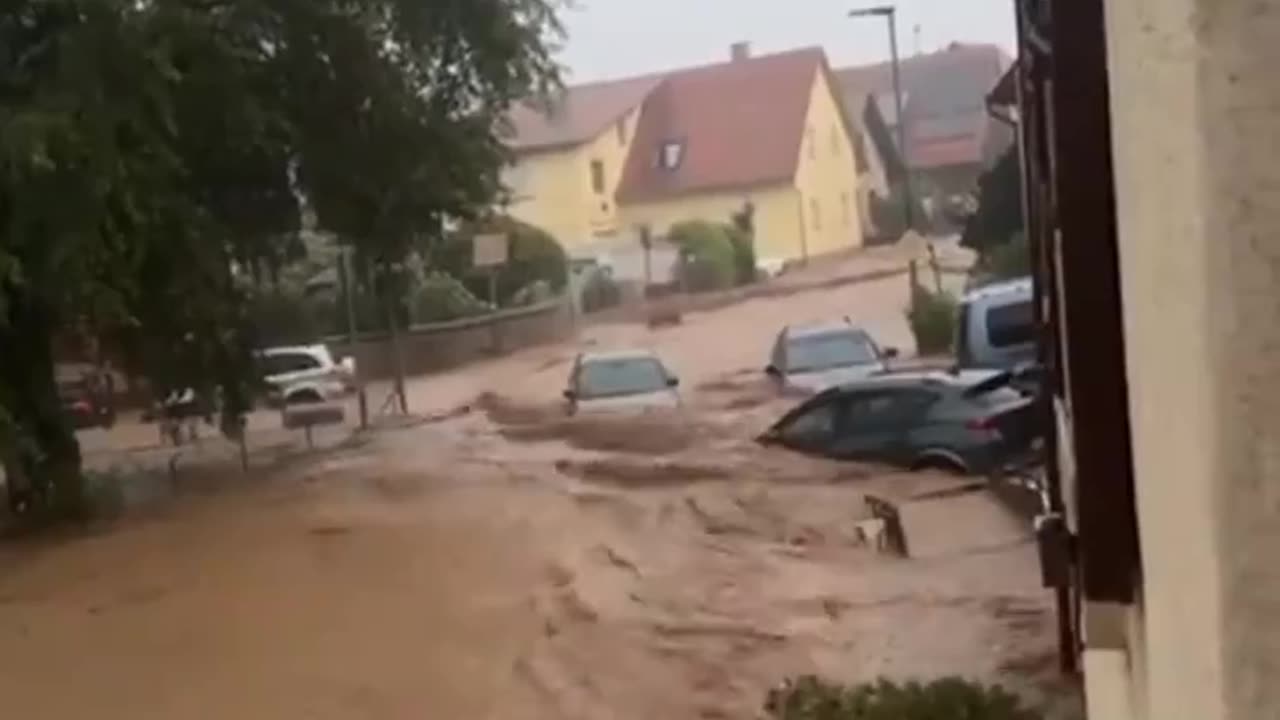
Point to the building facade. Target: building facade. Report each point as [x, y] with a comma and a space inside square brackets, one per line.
[1155, 220]
[610, 163]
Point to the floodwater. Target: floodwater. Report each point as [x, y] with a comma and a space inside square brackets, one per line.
[504, 562]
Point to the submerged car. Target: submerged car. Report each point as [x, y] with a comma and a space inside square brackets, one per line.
[970, 421]
[808, 359]
[305, 374]
[626, 380]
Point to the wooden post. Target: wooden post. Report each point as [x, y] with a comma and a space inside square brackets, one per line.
[937, 270]
[348, 296]
[397, 355]
[494, 330]
[912, 283]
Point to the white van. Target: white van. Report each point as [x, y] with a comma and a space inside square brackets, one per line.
[995, 326]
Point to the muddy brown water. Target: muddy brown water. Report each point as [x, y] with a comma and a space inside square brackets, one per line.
[497, 562]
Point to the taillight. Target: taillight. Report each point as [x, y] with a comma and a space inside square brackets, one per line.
[984, 424]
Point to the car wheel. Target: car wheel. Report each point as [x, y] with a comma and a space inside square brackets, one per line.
[308, 396]
[941, 463]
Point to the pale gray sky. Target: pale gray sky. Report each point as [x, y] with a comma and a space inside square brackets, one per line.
[615, 38]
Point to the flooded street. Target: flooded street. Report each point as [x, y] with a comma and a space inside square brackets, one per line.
[505, 562]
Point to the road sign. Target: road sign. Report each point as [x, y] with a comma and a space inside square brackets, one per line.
[489, 250]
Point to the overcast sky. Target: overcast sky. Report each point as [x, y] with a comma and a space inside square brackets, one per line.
[616, 38]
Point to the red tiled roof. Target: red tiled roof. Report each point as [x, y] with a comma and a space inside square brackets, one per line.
[945, 101]
[578, 115]
[740, 123]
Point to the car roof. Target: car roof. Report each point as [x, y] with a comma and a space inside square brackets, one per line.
[612, 355]
[1017, 286]
[953, 379]
[295, 350]
[819, 329]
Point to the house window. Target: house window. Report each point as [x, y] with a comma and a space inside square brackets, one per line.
[597, 176]
[670, 155]
[622, 131]
[815, 213]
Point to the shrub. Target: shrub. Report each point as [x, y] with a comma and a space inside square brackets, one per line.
[534, 256]
[440, 297]
[932, 317]
[285, 317]
[744, 255]
[809, 698]
[1005, 261]
[708, 258]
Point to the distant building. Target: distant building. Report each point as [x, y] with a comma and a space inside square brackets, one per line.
[607, 163]
[951, 140]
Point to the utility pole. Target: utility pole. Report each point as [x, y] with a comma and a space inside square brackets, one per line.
[889, 12]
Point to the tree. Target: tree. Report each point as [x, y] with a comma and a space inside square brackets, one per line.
[533, 256]
[999, 215]
[708, 259]
[152, 158]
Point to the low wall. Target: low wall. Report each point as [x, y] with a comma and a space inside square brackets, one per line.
[440, 346]
[687, 303]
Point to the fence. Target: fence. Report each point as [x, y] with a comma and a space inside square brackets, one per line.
[440, 346]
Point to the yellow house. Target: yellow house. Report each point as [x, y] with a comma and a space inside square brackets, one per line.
[610, 162]
[569, 159]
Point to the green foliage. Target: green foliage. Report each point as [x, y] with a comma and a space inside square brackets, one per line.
[932, 317]
[999, 216]
[889, 214]
[1006, 261]
[152, 157]
[809, 698]
[441, 297]
[534, 256]
[744, 255]
[709, 261]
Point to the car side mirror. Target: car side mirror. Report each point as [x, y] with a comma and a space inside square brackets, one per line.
[673, 382]
[890, 353]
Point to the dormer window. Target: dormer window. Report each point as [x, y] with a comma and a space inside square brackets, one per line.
[670, 155]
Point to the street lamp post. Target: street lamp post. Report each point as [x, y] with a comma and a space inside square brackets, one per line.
[889, 12]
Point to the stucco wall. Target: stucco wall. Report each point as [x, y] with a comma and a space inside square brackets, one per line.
[548, 192]
[777, 216]
[553, 188]
[826, 176]
[1196, 124]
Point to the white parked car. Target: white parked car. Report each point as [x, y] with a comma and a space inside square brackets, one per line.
[625, 380]
[306, 374]
[811, 358]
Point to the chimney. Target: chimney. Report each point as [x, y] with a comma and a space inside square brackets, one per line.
[740, 51]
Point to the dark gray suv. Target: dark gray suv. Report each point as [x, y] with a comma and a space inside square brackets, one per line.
[969, 421]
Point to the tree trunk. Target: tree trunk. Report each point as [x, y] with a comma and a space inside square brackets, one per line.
[41, 454]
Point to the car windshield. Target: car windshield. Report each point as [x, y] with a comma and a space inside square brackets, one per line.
[624, 376]
[832, 350]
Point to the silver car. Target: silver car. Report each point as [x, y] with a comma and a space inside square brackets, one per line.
[809, 359]
[625, 380]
